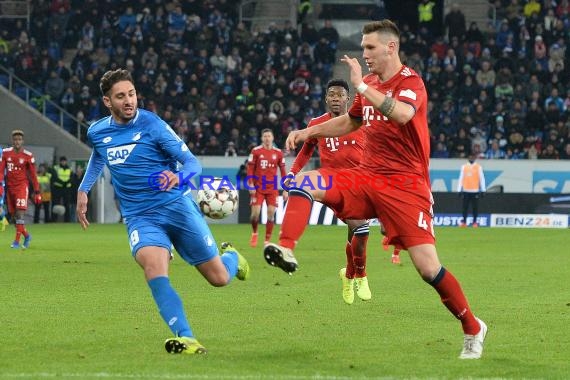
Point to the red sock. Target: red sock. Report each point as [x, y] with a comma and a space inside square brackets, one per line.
[359, 240]
[396, 252]
[349, 261]
[20, 230]
[254, 223]
[296, 217]
[269, 230]
[385, 243]
[453, 298]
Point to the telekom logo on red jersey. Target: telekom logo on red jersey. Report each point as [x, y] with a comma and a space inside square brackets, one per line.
[332, 143]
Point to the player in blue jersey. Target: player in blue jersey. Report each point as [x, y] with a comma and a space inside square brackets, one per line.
[142, 153]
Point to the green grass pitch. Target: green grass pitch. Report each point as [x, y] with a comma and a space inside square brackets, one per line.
[75, 305]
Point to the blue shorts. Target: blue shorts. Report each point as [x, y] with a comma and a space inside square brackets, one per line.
[179, 224]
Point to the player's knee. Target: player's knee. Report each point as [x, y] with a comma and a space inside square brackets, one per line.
[218, 279]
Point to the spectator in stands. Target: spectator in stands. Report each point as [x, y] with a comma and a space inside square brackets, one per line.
[495, 151]
[566, 152]
[177, 22]
[479, 144]
[485, 76]
[511, 44]
[474, 38]
[329, 32]
[54, 86]
[455, 23]
[549, 153]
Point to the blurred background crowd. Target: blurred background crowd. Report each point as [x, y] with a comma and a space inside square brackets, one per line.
[501, 91]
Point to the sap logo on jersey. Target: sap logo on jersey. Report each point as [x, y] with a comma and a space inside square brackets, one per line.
[119, 154]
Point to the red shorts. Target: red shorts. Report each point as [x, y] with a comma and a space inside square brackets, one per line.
[17, 199]
[269, 197]
[402, 203]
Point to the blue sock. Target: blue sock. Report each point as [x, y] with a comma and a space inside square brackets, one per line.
[170, 306]
[230, 261]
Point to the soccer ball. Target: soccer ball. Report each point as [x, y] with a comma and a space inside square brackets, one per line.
[218, 199]
[58, 210]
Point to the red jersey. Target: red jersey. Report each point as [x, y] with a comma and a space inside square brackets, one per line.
[391, 148]
[263, 164]
[335, 152]
[18, 168]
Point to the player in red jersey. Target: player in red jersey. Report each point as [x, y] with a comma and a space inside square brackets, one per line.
[17, 166]
[341, 152]
[392, 180]
[262, 181]
[3, 220]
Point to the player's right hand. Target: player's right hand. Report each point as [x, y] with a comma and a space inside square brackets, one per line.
[81, 209]
[288, 178]
[355, 69]
[252, 193]
[295, 138]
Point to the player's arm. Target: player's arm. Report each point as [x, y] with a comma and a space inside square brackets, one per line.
[460, 181]
[92, 172]
[396, 110]
[303, 157]
[2, 170]
[34, 178]
[282, 166]
[174, 147]
[335, 127]
[251, 165]
[392, 108]
[482, 184]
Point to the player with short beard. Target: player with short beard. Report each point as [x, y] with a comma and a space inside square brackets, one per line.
[138, 147]
[391, 107]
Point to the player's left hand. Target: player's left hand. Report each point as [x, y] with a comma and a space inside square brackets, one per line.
[295, 138]
[168, 180]
[38, 198]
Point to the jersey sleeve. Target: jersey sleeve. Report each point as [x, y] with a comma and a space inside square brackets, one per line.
[303, 156]
[251, 163]
[411, 91]
[282, 165]
[33, 175]
[355, 111]
[305, 153]
[177, 149]
[92, 172]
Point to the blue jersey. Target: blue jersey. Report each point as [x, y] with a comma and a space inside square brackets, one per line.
[135, 153]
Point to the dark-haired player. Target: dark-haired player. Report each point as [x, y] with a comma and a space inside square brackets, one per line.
[17, 165]
[338, 153]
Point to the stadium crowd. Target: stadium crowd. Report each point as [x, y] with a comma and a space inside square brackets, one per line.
[502, 92]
